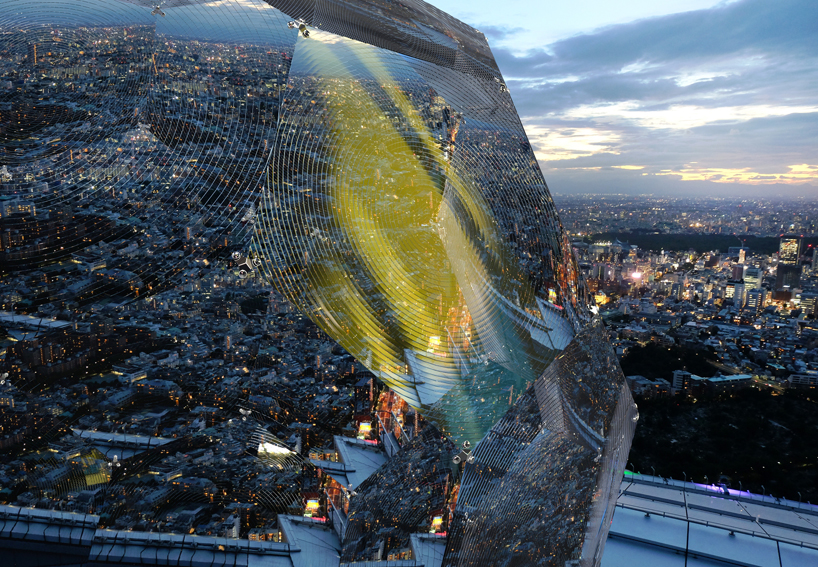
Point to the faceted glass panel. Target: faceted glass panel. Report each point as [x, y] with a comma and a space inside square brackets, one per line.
[366, 160]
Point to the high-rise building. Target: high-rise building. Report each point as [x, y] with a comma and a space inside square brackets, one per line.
[787, 276]
[755, 300]
[752, 277]
[735, 290]
[676, 291]
[809, 303]
[738, 272]
[739, 293]
[789, 249]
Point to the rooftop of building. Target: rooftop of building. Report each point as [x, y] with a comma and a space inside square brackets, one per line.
[658, 522]
[670, 523]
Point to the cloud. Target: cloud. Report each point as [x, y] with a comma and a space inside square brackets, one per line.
[499, 33]
[801, 173]
[732, 88]
[570, 143]
[683, 116]
[740, 28]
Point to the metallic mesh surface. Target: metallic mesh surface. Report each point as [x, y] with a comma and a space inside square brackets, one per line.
[546, 476]
[369, 162]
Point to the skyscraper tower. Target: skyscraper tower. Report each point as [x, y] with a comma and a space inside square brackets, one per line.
[752, 278]
[787, 277]
[755, 300]
[789, 249]
[788, 274]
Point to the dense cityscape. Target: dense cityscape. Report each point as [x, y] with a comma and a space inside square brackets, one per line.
[156, 386]
[321, 302]
[753, 308]
[584, 215]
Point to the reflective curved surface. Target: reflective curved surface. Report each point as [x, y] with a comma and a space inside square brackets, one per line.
[366, 160]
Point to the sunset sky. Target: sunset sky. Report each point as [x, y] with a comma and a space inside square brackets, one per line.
[673, 97]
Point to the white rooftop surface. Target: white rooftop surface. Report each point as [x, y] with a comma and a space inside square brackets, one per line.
[30, 322]
[139, 441]
[48, 526]
[359, 460]
[665, 524]
[312, 543]
[363, 458]
[622, 553]
[120, 445]
[428, 549]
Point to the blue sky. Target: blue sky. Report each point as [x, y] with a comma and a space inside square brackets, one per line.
[673, 97]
